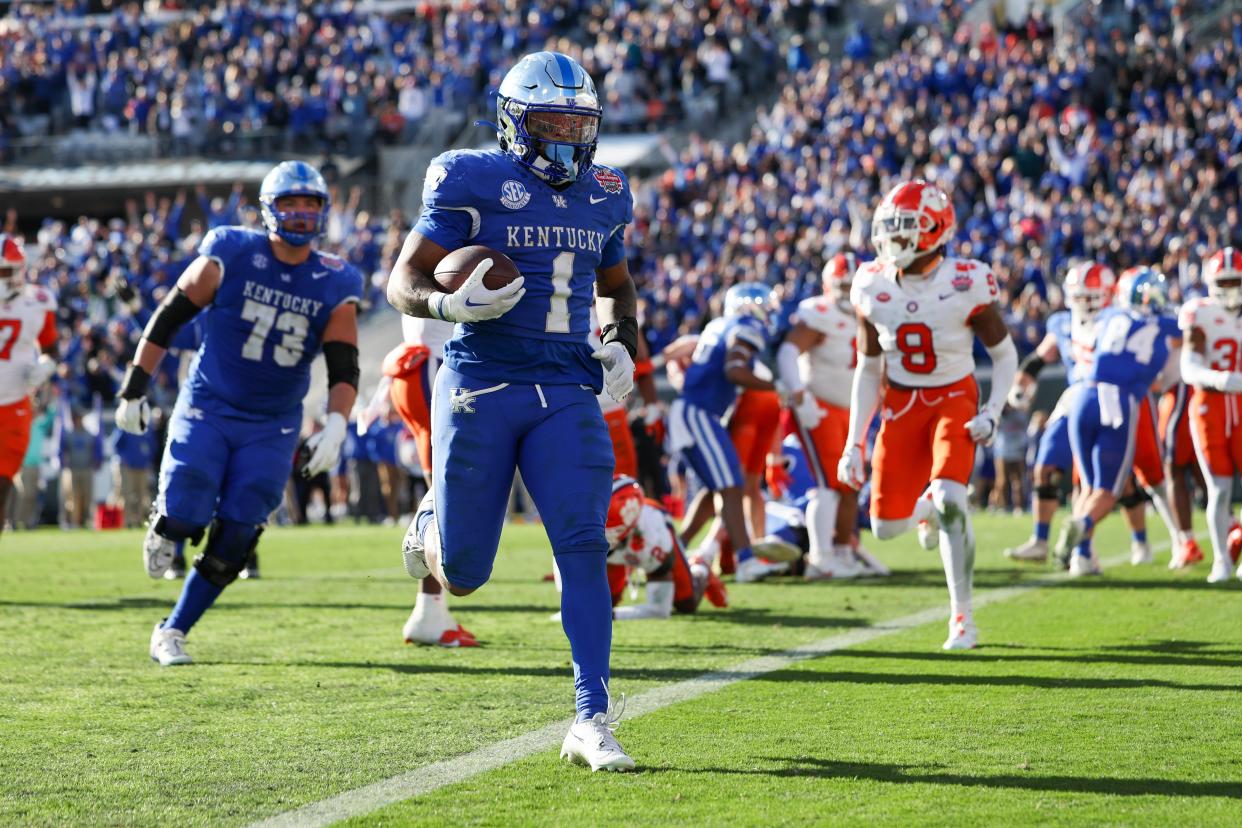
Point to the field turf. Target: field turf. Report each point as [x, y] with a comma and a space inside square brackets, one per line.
[1112, 701]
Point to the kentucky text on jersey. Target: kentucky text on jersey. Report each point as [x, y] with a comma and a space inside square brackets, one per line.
[556, 236]
[281, 299]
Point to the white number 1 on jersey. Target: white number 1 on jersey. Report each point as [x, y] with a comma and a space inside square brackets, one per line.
[558, 313]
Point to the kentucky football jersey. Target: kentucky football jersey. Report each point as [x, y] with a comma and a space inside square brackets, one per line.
[1131, 349]
[706, 386]
[557, 238]
[265, 324]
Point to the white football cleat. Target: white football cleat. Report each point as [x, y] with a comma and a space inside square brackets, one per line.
[436, 628]
[1221, 572]
[871, 565]
[1034, 550]
[1071, 533]
[1140, 553]
[753, 569]
[776, 549]
[1083, 565]
[168, 646]
[841, 565]
[413, 553]
[962, 634]
[592, 743]
[157, 551]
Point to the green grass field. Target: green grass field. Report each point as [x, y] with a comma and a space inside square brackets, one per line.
[1113, 701]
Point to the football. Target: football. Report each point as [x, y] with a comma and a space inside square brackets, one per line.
[455, 268]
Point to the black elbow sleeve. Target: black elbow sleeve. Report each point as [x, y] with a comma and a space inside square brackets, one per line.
[1032, 365]
[342, 359]
[173, 312]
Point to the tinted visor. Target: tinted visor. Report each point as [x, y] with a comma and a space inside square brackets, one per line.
[562, 127]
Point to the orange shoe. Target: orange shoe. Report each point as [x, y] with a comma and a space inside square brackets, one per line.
[1191, 554]
[1234, 542]
[460, 637]
[716, 593]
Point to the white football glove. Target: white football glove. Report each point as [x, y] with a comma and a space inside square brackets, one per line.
[982, 426]
[325, 445]
[808, 412]
[850, 468]
[41, 371]
[1021, 396]
[133, 415]
[473, 301]
[618, 370]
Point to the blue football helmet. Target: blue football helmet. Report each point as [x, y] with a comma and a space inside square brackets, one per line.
[1144, 290]
[290, 178]
[547, 116]
[748, 299]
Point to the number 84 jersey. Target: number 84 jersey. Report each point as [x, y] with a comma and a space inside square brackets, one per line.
[265, 325]
[924, 321]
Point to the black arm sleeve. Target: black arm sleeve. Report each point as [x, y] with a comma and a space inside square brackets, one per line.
[1032, 365]
[173, 312]
[625, 331]
[342, 359]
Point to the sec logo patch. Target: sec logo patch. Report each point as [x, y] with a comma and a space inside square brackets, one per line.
[514, 195]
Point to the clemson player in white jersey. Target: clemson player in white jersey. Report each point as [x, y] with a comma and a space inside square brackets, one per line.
[410, 369]
[1212, 366]
[816, 363]
[27, 357]
[641, 536]
[921, 312]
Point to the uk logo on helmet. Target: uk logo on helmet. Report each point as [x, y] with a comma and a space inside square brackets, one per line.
[514, 195]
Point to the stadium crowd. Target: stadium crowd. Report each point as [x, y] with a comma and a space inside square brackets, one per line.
[1120, 144]
[331, 76]
[1089, 144]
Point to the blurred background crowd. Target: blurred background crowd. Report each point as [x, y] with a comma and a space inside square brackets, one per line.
[1115, 135]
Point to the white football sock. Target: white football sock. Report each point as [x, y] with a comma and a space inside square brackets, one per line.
[821, 524]
[957, 542]
[1219, 493]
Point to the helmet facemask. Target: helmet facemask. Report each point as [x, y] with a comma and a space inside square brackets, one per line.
[547, 117]
[1226, 289]
[895, 235]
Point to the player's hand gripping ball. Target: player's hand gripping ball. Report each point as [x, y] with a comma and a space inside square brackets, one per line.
[483, 284]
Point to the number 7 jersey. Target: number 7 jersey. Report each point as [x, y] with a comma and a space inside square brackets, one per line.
[924, 321]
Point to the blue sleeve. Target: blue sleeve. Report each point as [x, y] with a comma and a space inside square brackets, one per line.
[350, 286]
[1170, 327]
[614, 248]
[449, 217]
[216, 244]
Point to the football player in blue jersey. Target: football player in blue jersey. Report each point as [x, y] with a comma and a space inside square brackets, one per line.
[1089, 289]
[234, 430]
[518, 384]
[723, 362]
[1135, 345]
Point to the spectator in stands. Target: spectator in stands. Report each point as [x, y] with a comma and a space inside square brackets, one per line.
[80, 457]
[133, 457]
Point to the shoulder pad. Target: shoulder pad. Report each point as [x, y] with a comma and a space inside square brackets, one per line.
[814, 313]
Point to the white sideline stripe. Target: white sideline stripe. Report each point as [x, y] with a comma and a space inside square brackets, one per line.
[446, 772]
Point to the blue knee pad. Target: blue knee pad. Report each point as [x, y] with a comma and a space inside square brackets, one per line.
[228, 546]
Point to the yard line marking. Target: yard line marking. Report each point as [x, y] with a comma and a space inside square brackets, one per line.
[446, 772]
